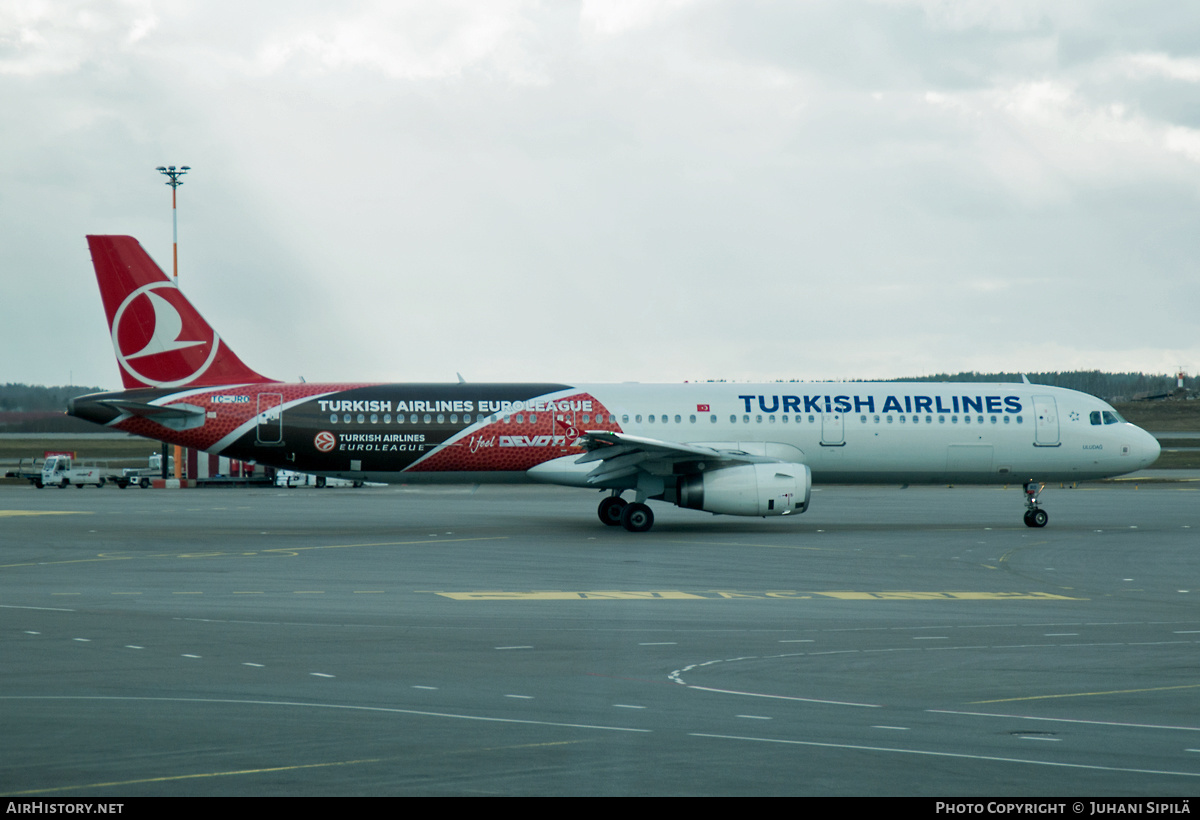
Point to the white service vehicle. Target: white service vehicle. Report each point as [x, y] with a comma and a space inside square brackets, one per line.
[141, 476]
[62, 472]
[291, 478]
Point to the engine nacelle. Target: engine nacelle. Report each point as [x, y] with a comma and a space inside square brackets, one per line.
[780, 488]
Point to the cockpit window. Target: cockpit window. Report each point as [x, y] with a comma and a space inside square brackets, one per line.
[1097, 417]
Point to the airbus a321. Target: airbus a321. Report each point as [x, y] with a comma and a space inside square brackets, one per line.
[732, 449]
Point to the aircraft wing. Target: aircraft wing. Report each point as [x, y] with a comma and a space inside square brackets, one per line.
[619, 455]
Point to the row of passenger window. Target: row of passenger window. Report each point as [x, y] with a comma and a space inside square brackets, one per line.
[441, 418]
[812, 419]
[601, 418]
[953, 419]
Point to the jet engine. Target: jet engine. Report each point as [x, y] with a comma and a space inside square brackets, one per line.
[780, 488]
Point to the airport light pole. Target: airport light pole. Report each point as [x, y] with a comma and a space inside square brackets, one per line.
[173, 175]
[174, 181]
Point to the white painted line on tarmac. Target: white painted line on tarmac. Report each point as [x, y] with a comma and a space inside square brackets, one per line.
[949, 754]
[43, 608]
[347, 707]
[784, 697]
[1068, 720]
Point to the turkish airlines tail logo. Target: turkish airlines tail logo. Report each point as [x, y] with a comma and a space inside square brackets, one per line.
[159, 338]
[168, 328]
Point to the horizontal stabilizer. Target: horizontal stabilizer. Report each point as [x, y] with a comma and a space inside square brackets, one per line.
[175, 416]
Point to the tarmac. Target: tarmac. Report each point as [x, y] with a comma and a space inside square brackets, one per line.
[501, 640]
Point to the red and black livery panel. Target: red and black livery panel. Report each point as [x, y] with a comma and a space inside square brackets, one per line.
[422, 428]
[376, 428]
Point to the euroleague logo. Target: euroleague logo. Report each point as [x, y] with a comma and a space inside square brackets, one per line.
[160, 339]
[325, 441]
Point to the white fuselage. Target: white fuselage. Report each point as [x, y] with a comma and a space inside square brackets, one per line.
[871, 432]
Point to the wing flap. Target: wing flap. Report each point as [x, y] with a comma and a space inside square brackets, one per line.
[595, 441]
[621, 455]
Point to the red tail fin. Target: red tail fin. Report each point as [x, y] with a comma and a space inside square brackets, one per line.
[159, 338]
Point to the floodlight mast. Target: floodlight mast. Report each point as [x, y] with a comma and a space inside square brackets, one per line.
[174, 175]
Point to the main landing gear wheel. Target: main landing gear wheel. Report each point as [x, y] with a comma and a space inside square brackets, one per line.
[637, 517]
[610, 510]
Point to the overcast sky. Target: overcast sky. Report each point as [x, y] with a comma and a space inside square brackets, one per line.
[650, 190]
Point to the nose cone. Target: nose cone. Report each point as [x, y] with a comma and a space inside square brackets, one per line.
[1146, 448]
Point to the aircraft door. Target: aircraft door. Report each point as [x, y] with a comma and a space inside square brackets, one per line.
[270, 418]
[1045, 411]
[833, 429]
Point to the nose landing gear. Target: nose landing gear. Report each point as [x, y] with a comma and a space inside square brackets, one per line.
[1035, 516]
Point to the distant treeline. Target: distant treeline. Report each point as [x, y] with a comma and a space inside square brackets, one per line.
[1108, 386]
[1126, 386]
[32, 408]
[30, 398]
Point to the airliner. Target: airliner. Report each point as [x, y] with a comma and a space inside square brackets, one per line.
[724, 448]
